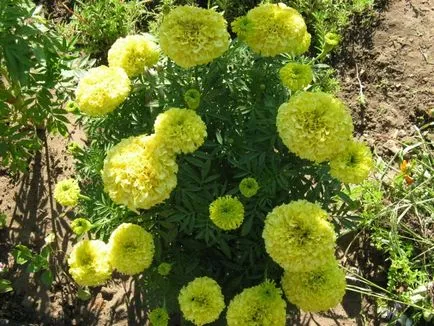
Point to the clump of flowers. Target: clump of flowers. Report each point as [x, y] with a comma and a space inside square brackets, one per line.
[131, 249]
[164, 269]
[201, 301]
[296, 76]
[192, 98]
[89, 264]
[315, 126]
[258, 305]
[271, 29]
[298, 230]
[159, 317]
[80, 225]
[352, 165]
[193, 36]
[67, 192]
[133, 53]
[181, 130]
[227, 212]
[315, 290]
[102, 90]
[139, 172]
[249, 187]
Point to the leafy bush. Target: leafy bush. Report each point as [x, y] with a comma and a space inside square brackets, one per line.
[96, 24]
[180, 188]
[32, 86]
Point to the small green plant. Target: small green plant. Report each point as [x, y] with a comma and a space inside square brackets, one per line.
[35, 262]
[33, 86]
[5, 284]
[397, 210]
[96, 24]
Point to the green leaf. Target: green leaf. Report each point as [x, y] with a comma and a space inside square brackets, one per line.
[47, 278]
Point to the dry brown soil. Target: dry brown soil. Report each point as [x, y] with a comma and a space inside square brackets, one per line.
[391, 64]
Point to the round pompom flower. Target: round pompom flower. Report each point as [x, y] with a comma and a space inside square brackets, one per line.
[271, 29]
[296, 76]
[249, 187]
[181, 130]
[89, 264]
[193, 36]
[332, 39]
[227, 212]
[352, 165]
[261, 305]
[316, 290]
[67, 192]
[139, 172]
[102, 90]
[298, 237]
[159, 317]
[192, 98]
[80, 225]
[315, 126]
[133, 53]
[164, 269]
[201, 301]
[131, 249]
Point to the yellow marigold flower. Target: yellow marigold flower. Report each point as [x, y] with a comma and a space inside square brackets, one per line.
[159, 317]
[261, 305]
[139, 172]
[316, 290]
[89, 264]
[80, 225]
[131, 249]
[298, 237]
[332, 39]
[67, 192]
[133, 53]
[271, 29]
[296, 76]
[192, 98]
[181, 130]
[71, 107]
[193, 36]
[315, 126]
[227, 212]
[164, 269]
[353, 165]
[201, 301]
[102, 90]
[249, 187]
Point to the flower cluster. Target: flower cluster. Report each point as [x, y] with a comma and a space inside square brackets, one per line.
[131, 249]
[102, 90]
[258, 305]
[201, 301]
[67, 192]
[296, 76]
[249, 187]
[298, 230]
[133, 53]
[227, 212]
[193, 36]
[315, 290]
[315, 126]
[352, 165]
[271, 29]
[139, 172]
[89, 264]
[181, 130]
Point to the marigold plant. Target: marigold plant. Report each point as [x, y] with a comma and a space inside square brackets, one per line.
[224, 167]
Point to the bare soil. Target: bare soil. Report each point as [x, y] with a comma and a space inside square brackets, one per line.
[390, 64]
